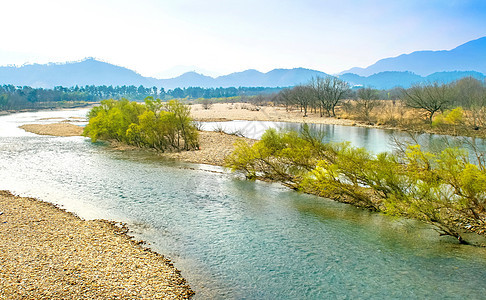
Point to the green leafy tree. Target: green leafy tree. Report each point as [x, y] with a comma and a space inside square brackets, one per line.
[165, 127]
[3, 101]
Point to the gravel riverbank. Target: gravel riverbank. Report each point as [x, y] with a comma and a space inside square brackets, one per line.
[55, 129]
[48, 253]
[214, 147]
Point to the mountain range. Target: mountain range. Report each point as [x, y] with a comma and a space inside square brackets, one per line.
[468, 59]
[470, 56]
[390, 79]
[93, 72]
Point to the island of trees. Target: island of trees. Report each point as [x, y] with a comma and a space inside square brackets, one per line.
[161, 126]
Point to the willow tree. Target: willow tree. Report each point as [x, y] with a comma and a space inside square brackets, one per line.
[158, 125]
[443, 189]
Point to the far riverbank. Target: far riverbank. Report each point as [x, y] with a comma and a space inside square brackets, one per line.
[220, 112]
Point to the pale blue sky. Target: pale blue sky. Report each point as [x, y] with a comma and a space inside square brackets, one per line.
[153, 36]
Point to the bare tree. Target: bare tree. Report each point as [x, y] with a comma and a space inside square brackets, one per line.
[285, 97]
[367, 100]
[429, 97]
[470, 92]
[206, 104]
[328, 92]
[303, 96]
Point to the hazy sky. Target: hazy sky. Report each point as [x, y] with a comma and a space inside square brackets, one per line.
[153, 36]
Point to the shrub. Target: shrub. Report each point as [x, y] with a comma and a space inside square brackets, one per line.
[162, 126]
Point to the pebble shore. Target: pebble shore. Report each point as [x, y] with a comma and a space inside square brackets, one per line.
[48, 253]
[55, 129]
[214, 147]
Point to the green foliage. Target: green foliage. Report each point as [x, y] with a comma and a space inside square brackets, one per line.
[343, 176]
[450, 117]
[162, 126]
[443, 189]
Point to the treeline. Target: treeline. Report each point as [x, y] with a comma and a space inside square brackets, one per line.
[25, 97]
[155, 124]
[444, 189]
[320, 94]
[458, 107]
[209, 93]
[325, 94]
[14, 98]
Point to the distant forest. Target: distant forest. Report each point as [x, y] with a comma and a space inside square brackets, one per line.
[14, 98]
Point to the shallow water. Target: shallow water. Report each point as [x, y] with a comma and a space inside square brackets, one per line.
[375, 140]
[238, 239]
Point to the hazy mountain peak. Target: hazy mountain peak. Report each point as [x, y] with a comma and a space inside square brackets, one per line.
[469, 56]
[193, 74]
[472, 45]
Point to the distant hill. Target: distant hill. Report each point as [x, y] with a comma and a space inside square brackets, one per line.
[86, 72]
[186, 80]
[248, 78]
[391, 79]
[470, 56]
[94, 72]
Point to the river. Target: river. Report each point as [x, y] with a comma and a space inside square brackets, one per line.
[235, 239]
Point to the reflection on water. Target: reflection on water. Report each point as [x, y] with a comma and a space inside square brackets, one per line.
[241, 239]
[374, 139]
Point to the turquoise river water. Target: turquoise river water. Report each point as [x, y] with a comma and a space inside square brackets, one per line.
[236, 239]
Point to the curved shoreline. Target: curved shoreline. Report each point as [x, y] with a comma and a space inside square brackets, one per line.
[47, 252]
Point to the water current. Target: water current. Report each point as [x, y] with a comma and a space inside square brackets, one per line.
[236, 239]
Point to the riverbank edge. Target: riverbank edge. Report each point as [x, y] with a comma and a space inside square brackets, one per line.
[16, 111]
[234, 112]
[116, 231]
[470, 133]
